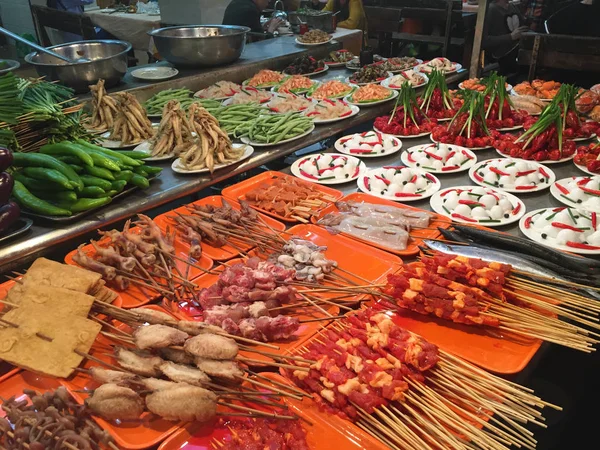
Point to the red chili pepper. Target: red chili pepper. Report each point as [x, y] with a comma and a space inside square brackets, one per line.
[314, 113]
[443, 194]
[360, 151]
[410, 158]
[562, 189]
[356, 171]
[582, 246]
[307, 175]
[451, 154]
[250, 88]
[564, 226]
[434, 156]
[385, 180]
[367, 183]
[499, 172]
[517, 209]
[559, 209]
[464, 152]
[471, 202]
[363, 134]
[493, 195]
[327, 168]
[527, 222]
[594, 220]
[394, 167]
[477, 176]
[544, 173]
[232, 93]
[331, 102]
[274, 109]
[590, 191]
[343, 141]
[303, 161]
[460, 216]
[413, 179]
[525, 172]
[395, 86]
[448, 168]
[430, 177]
[264, 100]
[406, 194]
[346, 114]
[379, 138]
[524, 188]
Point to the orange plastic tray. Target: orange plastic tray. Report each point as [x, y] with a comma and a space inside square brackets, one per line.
[238, 191]
[305, 331]
[222, 253]
[13, 383]
[150, 430]
[501, 353]
[326, 432]
[416, 236]
[136, 295]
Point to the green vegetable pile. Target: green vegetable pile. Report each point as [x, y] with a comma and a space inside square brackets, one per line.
[236, 120]
[155, 104]
[66, 178]
[272, 129]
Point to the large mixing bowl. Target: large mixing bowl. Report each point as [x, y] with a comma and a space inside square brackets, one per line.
[200, 45]
[107, 60]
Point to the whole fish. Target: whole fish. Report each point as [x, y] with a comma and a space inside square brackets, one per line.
[490, 255]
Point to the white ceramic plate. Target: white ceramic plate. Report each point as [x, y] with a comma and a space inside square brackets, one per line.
[109, 143]
[177, 167]
[154, 73]
[547, 161]
[387, 82]
[355, 110]
[412, 136]
[145, 147]
[348, 99]
[424, 68]
[246, 140]
[473, 149]
[339, 146]
[535, 233]
[432, 187]
[296, 167]
[408, 159]
[584, 169]
[311, 74]
[311, 44]
[437, 204]
[485, 165]
[588, 202]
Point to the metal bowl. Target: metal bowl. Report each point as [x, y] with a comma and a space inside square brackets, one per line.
[107, 60]
[200, 45]
[8, 65]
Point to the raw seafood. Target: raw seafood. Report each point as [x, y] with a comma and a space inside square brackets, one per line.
[306, 258]
[250, 95]
[282, 103]
[221, 89]
[328, 110]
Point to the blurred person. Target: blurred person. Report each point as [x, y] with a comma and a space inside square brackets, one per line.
[504, 25]
[316, 4]
[580, 18]
[247, 13]
[351, 13]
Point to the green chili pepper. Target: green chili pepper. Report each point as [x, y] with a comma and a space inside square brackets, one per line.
[40, 160]
[35, 204]
[100, 172]
[119, 185]
[89, 180]
[45, 174]
[139, 181]
[92, 192]
[66, 148]
[124, 175]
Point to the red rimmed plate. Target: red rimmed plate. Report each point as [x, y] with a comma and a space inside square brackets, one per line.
[416, 235]
[226, 252]
[136, 295]
[239, 190]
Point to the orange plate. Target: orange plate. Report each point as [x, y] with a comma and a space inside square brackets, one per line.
[238, 191]
[7, 286]
[136, 295]
[416, 236]
[305, 331]
[326, 432]
[223, 253]
[15, 381]
[149, 431]
[503, 353]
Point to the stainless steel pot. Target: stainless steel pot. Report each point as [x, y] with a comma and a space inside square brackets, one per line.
[200, 45]
[107, 60]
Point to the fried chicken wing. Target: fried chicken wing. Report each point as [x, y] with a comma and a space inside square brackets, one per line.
[176, 355]
[104, 376]
[226, 370]
[158, 336]
[184, 374]
[183, 403]
[156, 384]
[144, 365]
[211, 346]
[194, 328]
[112, 402]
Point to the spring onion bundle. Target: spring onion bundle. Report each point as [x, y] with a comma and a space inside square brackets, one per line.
[11, 106]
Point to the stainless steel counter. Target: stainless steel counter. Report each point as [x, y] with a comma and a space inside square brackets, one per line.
[43, 238]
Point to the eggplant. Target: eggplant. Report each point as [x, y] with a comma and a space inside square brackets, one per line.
[6, 158]
[6, 187]
[9, 214]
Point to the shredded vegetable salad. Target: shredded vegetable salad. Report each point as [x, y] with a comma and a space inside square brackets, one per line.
[331, 89]
[265, 78]
[221, 89]
[284, 103]
[295, 84]
[371, 93]
[328, 109]
[250, 95]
